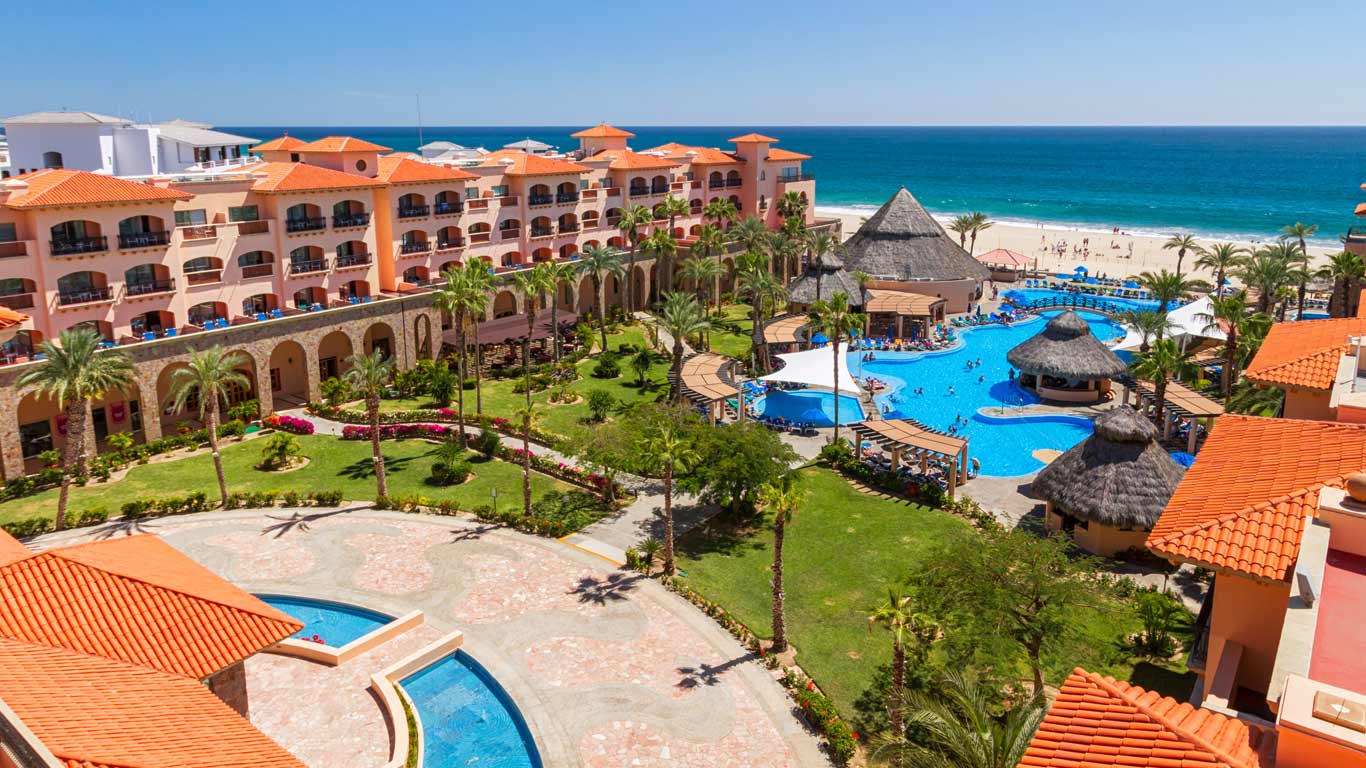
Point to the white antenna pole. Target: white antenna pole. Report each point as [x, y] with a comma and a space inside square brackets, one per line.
[419, 120]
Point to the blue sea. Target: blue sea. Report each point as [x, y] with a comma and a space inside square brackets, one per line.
[1226, 182]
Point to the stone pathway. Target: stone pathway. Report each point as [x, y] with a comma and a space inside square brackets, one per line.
[608, 668]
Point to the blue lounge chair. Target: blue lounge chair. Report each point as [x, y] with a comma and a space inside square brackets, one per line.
[260, 316]
[148, 336]
[275, 313]
[171, 332]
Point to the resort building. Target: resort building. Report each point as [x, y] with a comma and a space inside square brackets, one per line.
[1108, 491]
[1065, 362]
[89, 141]
[904, 249]
[1318, 363]
[125, 652]
[322, 249]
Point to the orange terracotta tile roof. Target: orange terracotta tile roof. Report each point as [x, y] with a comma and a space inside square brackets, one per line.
[626, 160]
[397, 169]
[524, 164]
[1304, 354]
[1361, 209]
[340, 144]
[1242, 507]
[11, 549]
[1098, 721]
[753, 137]
[136, 599]
[302, 177]
[53, 187]
[602, 131]
[705, 156]
[783, 154]
[671, 148]
[10, 318]
[98, 713]
[282, 144]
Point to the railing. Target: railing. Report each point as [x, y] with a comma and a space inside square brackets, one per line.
[17, 248]
[144, 239]
[253, 227]
[638, 191]
[204, 232]
[151, 286]
[569, 228]
[542, 231]
[612, 221]
[84, 297]
[792, 178]
[479, 204]
[589, 194]
[414, 211]
[258, 270]
[304, 267]
[446, 245]
[716, 184]
[353, 260]
[480, 237]
[566, 197]
[733, 182]
[1356, 235]
[510, 234]
[443, 209]
[351, 219]
[540, 199]
[204, 277]
[17, 301]
[695, 210]
[305, 225]
[80, 245]
[611, 191]
[664, 190]
[422, 247]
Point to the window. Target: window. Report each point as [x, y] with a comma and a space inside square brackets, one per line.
[8, 233]
[201, 264]
[255, 258]
[763, 175]
[201, 154]
[360, 165]
[583, 183]
[35, 438]
[195, 218]
[500, 191]
[52, 159]
[258, 303]
[12, 286]
[293, 157]
[275, 380]
[243, 213]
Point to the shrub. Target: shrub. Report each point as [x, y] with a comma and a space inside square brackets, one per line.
[487, 442]
[326, 498]
[600, 403]
[441, 384]
[453, 473]
[171, 505]
[835, 453]
[335, 391]
[119, 441]
[33, 526]
[232, 428]
[280, 451]
[92, 516]
[607, 367]
[291, 424]
[247, 410]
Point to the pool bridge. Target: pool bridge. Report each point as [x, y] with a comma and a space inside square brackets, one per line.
[1098, 304]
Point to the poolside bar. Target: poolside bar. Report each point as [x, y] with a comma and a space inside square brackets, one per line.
[902, 436]
[1066, 363]
[888, 311]
[1183, 402]
[706, 382]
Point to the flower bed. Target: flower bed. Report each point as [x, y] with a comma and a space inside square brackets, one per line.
[430, 416]
[292, 424]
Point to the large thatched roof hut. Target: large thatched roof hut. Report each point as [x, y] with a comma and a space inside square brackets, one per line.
[825, 276]
[1109, 489]
[1066, 361]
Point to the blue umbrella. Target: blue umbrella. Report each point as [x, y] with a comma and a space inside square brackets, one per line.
[1061, 276]
[1091, 281]
[1131, 284]
[1183, 458]
[819, 338]
[813, 415]
[1080, 269]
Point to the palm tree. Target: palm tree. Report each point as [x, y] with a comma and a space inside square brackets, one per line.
[1267, 271]
[864, 280]
[1253, 400]
[821, 245]
[663, 247]
[908, 628]
[479, 282]
[1147, 324]
[1181, 244]
[1346, 270]
[671, 450]
[764, 290]
[680, 317]
[792, 205]
[74, 372]
[1219, 259]
[598, 262]
[750, 232]
[962, 226]
[534, 283]
[1299, 233]
[721, 209]
[980, 224]
[1167, 287]
[835, 319]
[1227, 313]
[958, 728]
[559, 274]
[369, 375]
[786, 254]
[1163, 362]
[209, 378]
[673, 207]
[453, 298]
[527, 416]
[783, 498]
[633, 217]
[703, 274]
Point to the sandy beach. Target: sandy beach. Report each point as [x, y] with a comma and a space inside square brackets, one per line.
[1109, 254]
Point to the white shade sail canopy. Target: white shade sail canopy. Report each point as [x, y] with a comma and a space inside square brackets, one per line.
[813, 368]
[1188, 322]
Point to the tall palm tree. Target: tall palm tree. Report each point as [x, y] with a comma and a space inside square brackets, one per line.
[957, 728]
[909, 628]
[1163, 362]
[479, 282]
[680, 317]
[1253, 400]
[821, 244]
[74, 371]
[721, 210]
[980, 223]
[863, 279]
[598, 262]
[208, 379]
[750, 232]
[1267, 271]
[1167, 287]
[792, 205]
[559, 274]
[534, 284]
[765, 292]
[369, 375]
[1181, 244]
[672, 452]
[663, 247]
[1227, 313]
[782, 498]
[633, 217]
[961, 226]
[786, 252]
[1346, 270]
[1299, 232]
[1148, 324]
[673, 207]
[1220, 258]
[526, 416]
[835, 319]
[453, 298]
[703, 274]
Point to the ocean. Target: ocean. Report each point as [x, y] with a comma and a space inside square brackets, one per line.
[1222, 182]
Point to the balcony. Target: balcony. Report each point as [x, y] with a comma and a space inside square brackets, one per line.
[540, 199]
[1356, 235]
[313, 224]
[733, 182]
[253, 227]
[793, 178]
[479, 204]
[351, 220]
[568, 228]
[17, 301]
[204, 277]
[452, 244]
[150, 287]
[407, 248]
[10, 250]
[446, 209]
[354, 260]
[80, 245]
[542, 231]
[307, 267]
[510, 234]
[144, 240]
[566, 197]
[639, 191]
[716, 184]
[479, 237]
[414, 211]
[258, 270]
[89, 296]
[612, 221]
[198, 233]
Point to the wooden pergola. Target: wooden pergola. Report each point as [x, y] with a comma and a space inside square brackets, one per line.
[926, 310]
[908, 436]
[784, 330]
[1183, 402]
[706, 382]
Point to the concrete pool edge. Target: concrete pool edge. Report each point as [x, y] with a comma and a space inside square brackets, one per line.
[389, 691]
[333, 656]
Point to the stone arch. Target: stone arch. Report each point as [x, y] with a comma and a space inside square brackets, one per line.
[333, 351]
[422, 336]
[380, 336]
[288, 372]
[728, 277]
[640, 287]
[504, 304]
[588, 300]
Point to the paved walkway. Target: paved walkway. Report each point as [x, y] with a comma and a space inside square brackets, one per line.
[609, 669]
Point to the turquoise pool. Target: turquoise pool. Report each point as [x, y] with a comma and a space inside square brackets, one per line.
[467, 718]
[335, 624]
[801, 406]
[1034, 294]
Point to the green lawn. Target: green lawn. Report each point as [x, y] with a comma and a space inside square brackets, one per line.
[843, 550]
[733, 343]
[333, 464]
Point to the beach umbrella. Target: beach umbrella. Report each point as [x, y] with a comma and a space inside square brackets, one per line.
[1183, 458]
[819, 338]
[1131, 284]
[813, 415]
[1080, 269]
[1091, 281]
[1061, 276]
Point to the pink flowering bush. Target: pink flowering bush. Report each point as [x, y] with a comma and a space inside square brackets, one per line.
[292, 424]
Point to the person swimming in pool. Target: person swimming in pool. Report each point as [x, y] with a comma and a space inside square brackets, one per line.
[981, 378]
[950, 392]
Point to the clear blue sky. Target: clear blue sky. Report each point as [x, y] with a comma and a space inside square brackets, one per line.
[488, 62]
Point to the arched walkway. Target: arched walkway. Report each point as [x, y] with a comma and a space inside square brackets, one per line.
[333, 351]
[289, 374]
[380, 336]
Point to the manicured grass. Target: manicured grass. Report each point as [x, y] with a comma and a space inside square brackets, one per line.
[733, 343]
[344, 465]
[843, 550]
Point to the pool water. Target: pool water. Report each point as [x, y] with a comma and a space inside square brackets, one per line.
[1003, 446]
[1034, 294]
[797, 406]
[467, 718]
[336, 624]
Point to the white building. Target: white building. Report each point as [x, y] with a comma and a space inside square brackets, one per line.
[449, 152]
[98, 143]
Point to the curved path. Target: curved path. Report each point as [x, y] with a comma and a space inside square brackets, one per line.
[609, 668]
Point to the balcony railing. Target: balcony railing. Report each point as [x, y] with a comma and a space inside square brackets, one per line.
[639, 191]
[540, 199]
[17, 301]
[17, 248]
[414, 211]
[569, 228]
[566, 197]
[446, 245]
[443, 209]
[1356, 235]
[422, 247]
[303, 267]
[88, 296]
[258, 270]
[793, 178]
[253, 227]
[205, 232]
[716, 184]
[510, 234]
[612, 221]
[144, 239]
[479, 237]
[151, 286]
[80, 245]
[351, 220]
[733, 182]
[542, 231]
[353, 260]
[305, 225]
[204, 277]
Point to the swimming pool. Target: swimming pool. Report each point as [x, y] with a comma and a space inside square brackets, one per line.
[336, 624]
[1034, 294]
[467, 717]
[800, 406]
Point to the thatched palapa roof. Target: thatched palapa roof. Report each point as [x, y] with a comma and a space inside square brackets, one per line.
[903, 241]
[833, 280]
[1119, 477]
[1066, 349]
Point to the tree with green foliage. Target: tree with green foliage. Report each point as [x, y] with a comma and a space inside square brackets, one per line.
[980, 223]
[910, 629]
[1254, 400]
[453, 298]
[641, 362]
[533, 284]
[1148, 324]
[369, 375]
[720, 210]
[834, 318]
[1267, 271]
[672, 454]
[680, 317]
[478, 281]
[208, 379]
[1167, 288]
[782, 498]
[672, 207]
[737, 460]
[1182, 244]
[73, 372]
[633, 217]
[526, 417]
[1159, 365]
[663, 247]
[600, 403]
[279, 451]
[1227, 314]
[957, 727]
[961, 226]
[598, 262]
[1346, 270]
[766, 294]
[561, 275]
[1298, 233]
[1221, 258]
[751, 233]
